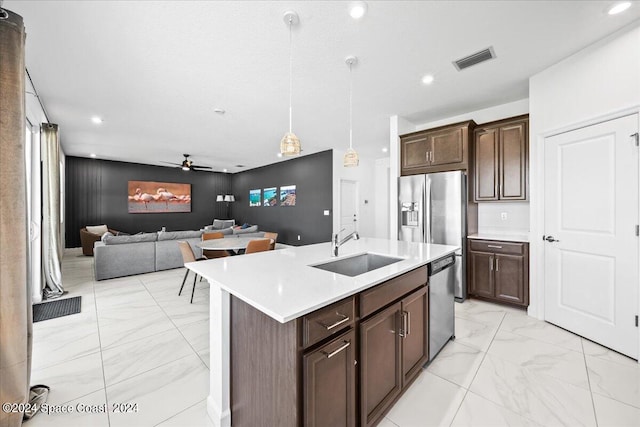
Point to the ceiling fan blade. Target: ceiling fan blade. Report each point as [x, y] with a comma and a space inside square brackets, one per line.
[201, 167]
[171, 163]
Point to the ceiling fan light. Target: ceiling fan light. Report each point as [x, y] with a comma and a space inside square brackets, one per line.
[351, 158]
[186, 168]
[290, 145]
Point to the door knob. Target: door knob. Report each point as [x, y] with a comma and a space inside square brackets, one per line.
[550, 239]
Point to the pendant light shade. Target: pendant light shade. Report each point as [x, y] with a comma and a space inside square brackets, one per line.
[351, 158]
[290, 143]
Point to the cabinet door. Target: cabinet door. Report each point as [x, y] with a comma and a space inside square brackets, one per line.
[415, 333]
[486, 165]
[513, 162]
[380, 375]
[510, 279]
[329, 383]
[481, 274]
[447, 146]
[415, 151]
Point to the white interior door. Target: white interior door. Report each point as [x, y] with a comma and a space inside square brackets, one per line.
[591, 210]
[348, 206]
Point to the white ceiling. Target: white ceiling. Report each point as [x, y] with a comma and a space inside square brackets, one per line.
[156, 70]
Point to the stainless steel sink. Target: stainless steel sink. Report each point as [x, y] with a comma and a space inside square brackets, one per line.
[358, 264]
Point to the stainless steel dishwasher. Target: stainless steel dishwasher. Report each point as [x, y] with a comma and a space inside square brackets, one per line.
[442, 279]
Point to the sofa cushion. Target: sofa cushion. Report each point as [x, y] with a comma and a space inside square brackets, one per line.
[179, 235]
[225, 231]
[251, 229]
[97, 229]
[223, 223]
[136, 238]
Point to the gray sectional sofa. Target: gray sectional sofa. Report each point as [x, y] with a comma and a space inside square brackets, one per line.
[117, 256]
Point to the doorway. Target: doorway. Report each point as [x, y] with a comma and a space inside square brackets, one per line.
[348, 206]
[591, 221]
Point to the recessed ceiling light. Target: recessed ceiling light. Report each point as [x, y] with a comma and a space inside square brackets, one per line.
[279, 154]
[428, 79]
[219, 111]
[239, 166]
[92, 155]
[97, 120]
[619, 8]
[224, 170]
[357, 9]
[385, 149]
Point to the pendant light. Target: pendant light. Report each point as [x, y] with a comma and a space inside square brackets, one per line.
[351, 156]
[290, 144]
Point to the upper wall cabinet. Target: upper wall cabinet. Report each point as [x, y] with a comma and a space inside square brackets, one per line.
[441, 149]
[501, 160]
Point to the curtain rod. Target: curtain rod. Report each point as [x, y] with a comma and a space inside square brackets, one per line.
[46, 116]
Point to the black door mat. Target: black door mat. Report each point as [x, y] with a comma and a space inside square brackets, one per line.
[58, 308]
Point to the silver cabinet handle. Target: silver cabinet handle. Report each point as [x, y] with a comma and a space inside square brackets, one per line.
[344, 318]
[497, 264]
[408, 314]
[494, 246]
[426, 155]
[337, 350]
[490, 263]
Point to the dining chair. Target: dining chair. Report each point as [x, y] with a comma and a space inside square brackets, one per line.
[188, 256]
[258, 245]
[272, 236]
[211, 254]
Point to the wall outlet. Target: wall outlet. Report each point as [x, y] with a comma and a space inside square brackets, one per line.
[503, 216]
[326, 212]
[298, 237]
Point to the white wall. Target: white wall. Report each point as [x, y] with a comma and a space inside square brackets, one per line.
[381, 200]
[364, 175]
[596, 84]
[497, 112]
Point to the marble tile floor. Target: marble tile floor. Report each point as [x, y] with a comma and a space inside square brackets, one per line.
[136, 341]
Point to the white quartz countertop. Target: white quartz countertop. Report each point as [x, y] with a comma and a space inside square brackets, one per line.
[282, 283]
[500, 237]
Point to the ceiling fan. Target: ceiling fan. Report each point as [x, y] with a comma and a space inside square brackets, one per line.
[187, 165]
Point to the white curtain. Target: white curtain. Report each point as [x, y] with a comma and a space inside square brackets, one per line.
[52, 243]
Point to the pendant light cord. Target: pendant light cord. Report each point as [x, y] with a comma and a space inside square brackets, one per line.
[290, 75]
[350, 107]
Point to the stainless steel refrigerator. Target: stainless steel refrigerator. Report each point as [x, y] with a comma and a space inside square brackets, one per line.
[433, 209]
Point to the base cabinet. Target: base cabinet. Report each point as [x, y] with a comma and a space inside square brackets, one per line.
[330, 383]
[499, 271]
[341, 365]
[394, 348]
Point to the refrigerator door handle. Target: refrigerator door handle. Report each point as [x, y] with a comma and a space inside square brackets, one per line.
[427, 211]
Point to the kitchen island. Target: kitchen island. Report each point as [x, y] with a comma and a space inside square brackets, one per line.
[266, 308]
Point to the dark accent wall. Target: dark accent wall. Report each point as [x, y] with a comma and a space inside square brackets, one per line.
[96, 193]
[313, 177]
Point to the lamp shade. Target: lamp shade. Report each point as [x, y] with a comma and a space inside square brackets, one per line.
[229, 198]
[351, 158]
[219, 198]
[290, 145]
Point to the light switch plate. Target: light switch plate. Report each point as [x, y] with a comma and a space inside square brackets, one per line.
[503, 216]
[326, 212]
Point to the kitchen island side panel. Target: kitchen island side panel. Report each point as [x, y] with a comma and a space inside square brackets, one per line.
[264, 369]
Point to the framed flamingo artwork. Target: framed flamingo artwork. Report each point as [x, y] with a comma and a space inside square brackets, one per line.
[158, 197]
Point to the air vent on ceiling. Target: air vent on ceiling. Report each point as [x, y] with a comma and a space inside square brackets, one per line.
[475, 58]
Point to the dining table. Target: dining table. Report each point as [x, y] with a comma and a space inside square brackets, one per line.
[234, 244]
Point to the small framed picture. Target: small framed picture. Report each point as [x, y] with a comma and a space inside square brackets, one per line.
[288, 195]
[270, 196]
[254, 197]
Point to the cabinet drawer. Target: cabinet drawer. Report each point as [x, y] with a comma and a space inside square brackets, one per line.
[325, 322]
[497, 247]
[381, 295]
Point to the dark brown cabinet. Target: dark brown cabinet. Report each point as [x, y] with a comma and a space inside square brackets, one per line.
[499, 271]
[341, 365]
[394, 348]
[501, 160]
[330, 383]
[441, 149]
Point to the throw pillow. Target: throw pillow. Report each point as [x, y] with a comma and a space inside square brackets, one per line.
[97, 229]
[223, 223]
